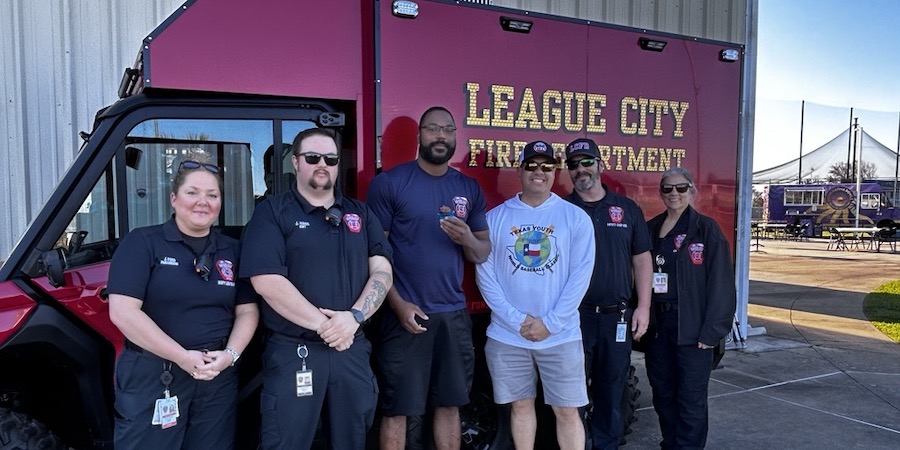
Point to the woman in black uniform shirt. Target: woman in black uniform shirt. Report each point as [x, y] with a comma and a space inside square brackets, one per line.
[692, 309]
[186, 318]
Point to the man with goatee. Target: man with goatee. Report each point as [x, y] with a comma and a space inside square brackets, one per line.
[434, 217]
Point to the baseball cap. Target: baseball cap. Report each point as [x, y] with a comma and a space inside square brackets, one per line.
[535, 149]
[582, 146]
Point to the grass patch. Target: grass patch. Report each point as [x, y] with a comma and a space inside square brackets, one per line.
[882, 308]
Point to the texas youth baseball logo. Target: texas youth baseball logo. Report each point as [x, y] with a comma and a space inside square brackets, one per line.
[535, 249]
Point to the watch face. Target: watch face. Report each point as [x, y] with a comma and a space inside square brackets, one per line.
[358, 315]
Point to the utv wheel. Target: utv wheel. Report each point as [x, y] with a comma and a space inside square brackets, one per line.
[629, 403]
[20, 432]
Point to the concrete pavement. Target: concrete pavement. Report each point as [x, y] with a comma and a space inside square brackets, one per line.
[821, 377]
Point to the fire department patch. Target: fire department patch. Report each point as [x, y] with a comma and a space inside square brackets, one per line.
[225, 269]
[616, 214]
[354, 223]
[696, 250]
[679, 239]
[461, 207]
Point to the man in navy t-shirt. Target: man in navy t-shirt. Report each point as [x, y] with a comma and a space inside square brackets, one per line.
[434, 216]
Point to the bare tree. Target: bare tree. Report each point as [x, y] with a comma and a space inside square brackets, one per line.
[840, 172]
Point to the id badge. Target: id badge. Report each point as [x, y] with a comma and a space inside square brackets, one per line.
[304, 383]
[621, 329]
[165, 412]
[660, 282]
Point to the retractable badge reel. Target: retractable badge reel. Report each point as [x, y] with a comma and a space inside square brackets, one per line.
[621, 326]
[304, 376]
[660, 278]
[165, 412]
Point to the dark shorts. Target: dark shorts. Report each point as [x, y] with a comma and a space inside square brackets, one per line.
[433, 368]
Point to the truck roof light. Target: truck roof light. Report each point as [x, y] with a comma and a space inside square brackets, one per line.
[515, 25]
[405, 8]
[729, 55]
[652, 44]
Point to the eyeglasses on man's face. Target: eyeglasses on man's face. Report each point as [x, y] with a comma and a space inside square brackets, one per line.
[435, 129]
[191, 165]
[680, 187]
[586, 162]
[313, 158]
[531, 166]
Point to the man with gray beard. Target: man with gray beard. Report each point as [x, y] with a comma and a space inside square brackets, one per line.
[622, 265]
[433, 216]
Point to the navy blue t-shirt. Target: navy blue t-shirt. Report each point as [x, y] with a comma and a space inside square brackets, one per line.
[428, 265]
[620, 232]
[155, 265]
[328, 264]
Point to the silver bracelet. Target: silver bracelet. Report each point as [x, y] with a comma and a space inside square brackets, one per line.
[234, 355]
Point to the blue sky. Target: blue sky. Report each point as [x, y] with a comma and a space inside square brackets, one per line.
[834, 54]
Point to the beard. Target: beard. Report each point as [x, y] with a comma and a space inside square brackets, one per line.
[586, 182]
[428, 154]
[324, 186]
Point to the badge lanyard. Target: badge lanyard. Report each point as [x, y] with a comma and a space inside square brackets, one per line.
[304, 376]
[660, 278]
[165, 411]
[621, 326]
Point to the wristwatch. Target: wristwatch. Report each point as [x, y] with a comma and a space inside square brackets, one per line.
[358, 315]
[234, 355]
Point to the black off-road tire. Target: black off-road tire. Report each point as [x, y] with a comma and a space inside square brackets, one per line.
[20, 432]
[629, 403]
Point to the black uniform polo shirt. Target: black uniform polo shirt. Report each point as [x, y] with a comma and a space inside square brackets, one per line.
[155, 265]
[620, 232]
[327, 263]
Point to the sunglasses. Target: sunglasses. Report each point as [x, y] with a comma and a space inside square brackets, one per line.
[586, 162]
[191, 165]
[531, 166]
[313, 158]
[680, 187]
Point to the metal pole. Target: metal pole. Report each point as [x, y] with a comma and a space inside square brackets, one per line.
[858, 175]
[896, 198]
[849, 144]
[851, 171]
[800, 159]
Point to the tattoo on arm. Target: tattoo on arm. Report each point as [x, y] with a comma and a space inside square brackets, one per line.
[378, 292]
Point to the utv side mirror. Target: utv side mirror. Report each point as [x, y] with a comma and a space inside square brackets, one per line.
[53, 264]
[133, 157]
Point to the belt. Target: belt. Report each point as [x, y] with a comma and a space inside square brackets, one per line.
[605, 309]
[212, 347]
[665, 306]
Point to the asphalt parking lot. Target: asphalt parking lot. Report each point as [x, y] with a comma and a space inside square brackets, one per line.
[821, 376]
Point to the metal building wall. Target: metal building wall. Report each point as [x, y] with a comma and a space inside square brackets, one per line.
[61, 61]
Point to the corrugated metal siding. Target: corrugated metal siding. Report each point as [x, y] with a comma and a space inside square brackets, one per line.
[61, 61]
[721, 20]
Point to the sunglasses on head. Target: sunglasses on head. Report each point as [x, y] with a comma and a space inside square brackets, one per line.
[191, 165]
[531, 166]
[586, 162]
[313, 158]
[680, 187]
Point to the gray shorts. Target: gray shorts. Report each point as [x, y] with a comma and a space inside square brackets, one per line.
[514, 372]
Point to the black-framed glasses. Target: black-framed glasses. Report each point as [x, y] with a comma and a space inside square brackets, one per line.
[586, 162]
[435, 129]
[531, 166]
[680, 187]
[313, 158]
[191, 165]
